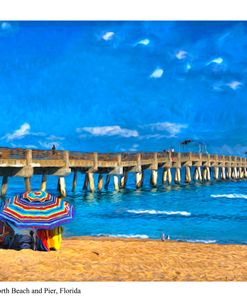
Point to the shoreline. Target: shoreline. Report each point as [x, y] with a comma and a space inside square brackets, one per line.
[209, 242]
[127, 259]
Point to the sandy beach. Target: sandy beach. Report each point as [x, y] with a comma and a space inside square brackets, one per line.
[108, 259]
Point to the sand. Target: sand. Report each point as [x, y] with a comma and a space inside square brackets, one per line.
[108, 259]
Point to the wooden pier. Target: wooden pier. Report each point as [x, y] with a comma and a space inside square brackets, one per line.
[26, 163]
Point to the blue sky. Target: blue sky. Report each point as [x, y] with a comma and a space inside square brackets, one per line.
[123, 86]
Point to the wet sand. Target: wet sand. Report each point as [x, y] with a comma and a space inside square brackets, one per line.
[107, 259]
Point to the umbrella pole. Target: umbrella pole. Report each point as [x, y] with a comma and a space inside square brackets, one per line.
[27, 184]
[4, 185]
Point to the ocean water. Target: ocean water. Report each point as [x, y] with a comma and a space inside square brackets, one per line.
[213, 212]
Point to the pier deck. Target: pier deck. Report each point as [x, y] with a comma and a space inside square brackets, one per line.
[26, 163]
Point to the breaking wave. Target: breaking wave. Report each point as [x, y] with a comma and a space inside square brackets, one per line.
[201, 241]
[155, 212]
[124, 235]
[229, 196]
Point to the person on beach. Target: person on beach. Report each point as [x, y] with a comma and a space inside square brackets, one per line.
[165, 237]
[9, 239]
[7, 234]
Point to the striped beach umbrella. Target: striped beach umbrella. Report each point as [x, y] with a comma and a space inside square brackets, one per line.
[36, 210]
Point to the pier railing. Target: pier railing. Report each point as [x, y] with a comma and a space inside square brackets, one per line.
[10, 157]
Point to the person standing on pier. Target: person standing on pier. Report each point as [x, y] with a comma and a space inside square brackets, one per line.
[53, 149]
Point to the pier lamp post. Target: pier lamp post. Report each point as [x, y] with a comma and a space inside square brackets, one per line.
[186, 142]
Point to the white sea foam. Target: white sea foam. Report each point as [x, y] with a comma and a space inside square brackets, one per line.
[125, 235]
[155, 212]
[229, 196]
[201, 241]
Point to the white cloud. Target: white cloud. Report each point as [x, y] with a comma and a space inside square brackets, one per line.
[19, 133]
[171, 128]
[218, 60]
[181, 54]
[30, 146]
[234, 85]
[55, 138]
[153, 136]
[134, 147]
[143, 42]
[109, 131]
[108, 35]
[38, 133]
[157, 73]
[48, 145]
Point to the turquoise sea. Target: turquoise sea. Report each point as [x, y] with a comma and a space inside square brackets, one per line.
[213, 212]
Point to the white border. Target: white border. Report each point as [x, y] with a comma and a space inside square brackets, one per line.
[129, 10]
[131, 291]
[123, 10]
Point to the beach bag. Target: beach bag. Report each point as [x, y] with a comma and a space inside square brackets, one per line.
[6, 234]
[48, 240]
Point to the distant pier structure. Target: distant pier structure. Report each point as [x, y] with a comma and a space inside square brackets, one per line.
[197, 167]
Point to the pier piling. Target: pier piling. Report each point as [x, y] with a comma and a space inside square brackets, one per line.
[177, 177]
[100, 182]
[43, 183]
[4, 185]
[229, 173]
[195, 176]
[107, 182]
[138, 180]
[154, 178]
[86, 180]
[123, 180]
[115, 182]
[187, 175]
[223, 173]
[91, 181]
[164, 176]
[216, 173]
[62, 186]
[74, 181]
[169, 176]
[27, 184]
